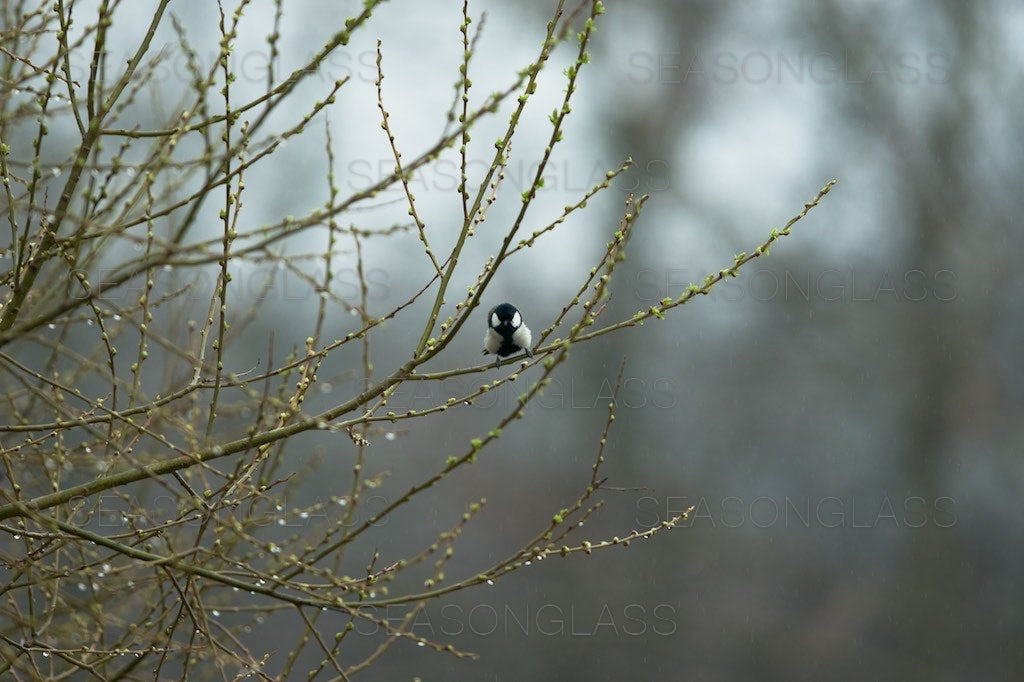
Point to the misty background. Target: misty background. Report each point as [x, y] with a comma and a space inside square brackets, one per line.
[844, 416]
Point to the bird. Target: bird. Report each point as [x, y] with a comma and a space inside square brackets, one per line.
[506, 333]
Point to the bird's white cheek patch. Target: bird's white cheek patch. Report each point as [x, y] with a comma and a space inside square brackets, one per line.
[494, 320]
[516, 320]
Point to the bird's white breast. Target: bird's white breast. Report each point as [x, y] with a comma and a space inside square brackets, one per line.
[492, 341]
[522, 337]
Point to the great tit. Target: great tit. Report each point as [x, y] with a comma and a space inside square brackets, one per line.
[506, 333]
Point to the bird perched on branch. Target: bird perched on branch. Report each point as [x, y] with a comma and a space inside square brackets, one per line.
[506, 333]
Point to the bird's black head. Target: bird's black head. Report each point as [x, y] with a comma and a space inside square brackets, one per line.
[504, 319]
